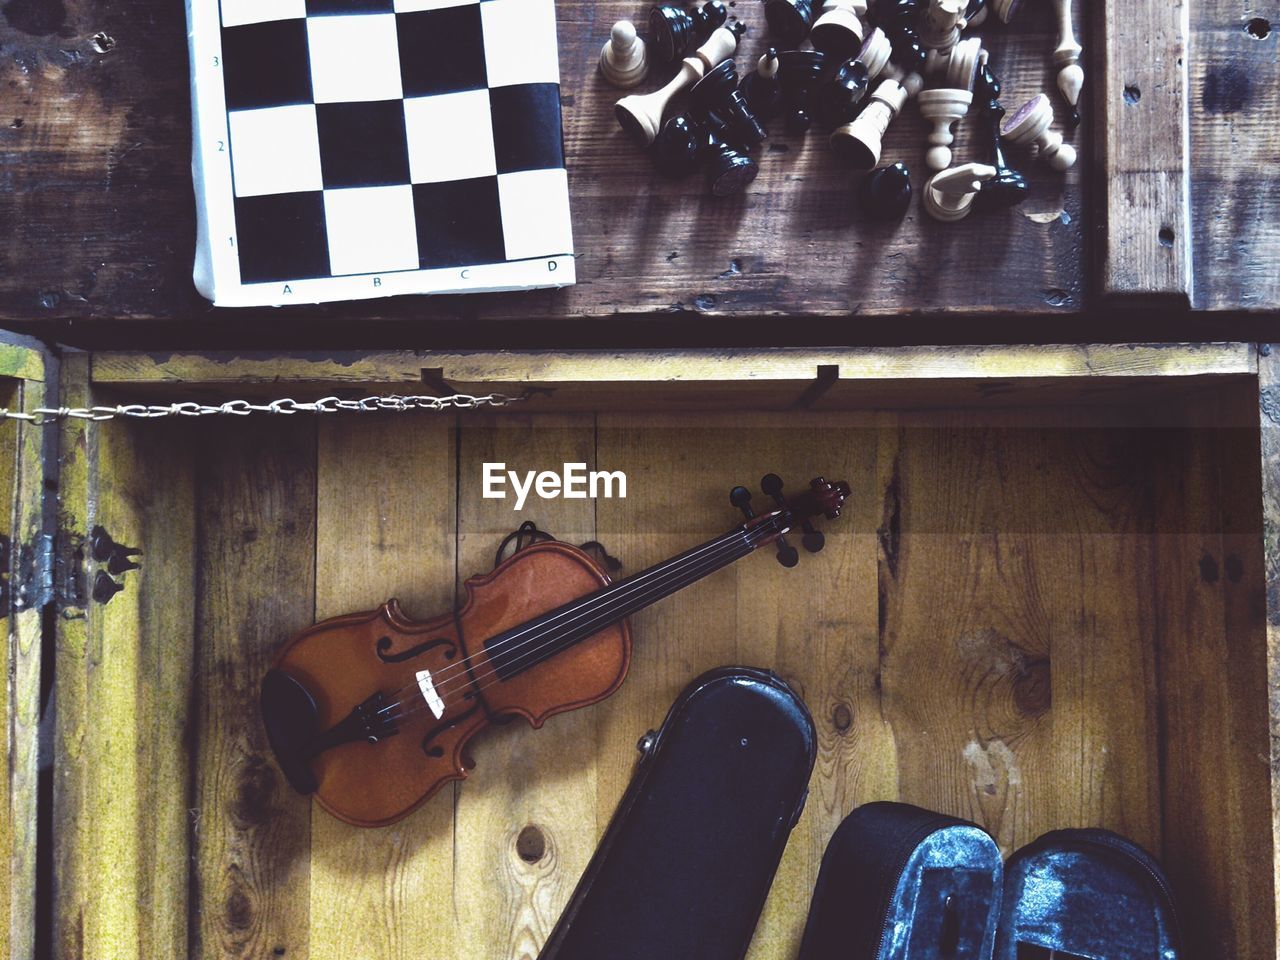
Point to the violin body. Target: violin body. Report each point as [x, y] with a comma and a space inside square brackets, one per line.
[326, 672]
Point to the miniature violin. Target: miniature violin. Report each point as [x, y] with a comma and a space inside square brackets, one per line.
[371, 712]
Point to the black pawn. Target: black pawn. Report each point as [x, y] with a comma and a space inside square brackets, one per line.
[677, 150]
[717, 95]
[897, 18]
[799, 73]
[761, 87]
[789, 20]
[1008, 189]
[729, 169]
[886, 193]
[839, 100]
[673, 32]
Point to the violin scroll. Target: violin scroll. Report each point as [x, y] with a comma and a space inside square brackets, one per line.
[823, 498]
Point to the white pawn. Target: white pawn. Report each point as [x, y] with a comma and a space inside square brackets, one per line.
[624, 60]
[1067, 57]
[956, 68]
[1030, 124]
[941, 28]
[948, 196]
[859, 143]
[942, 108]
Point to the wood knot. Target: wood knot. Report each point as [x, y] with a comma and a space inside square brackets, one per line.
[531, 844]
[1033, 687]
[842, 718]
[238, 909]
[255, 792]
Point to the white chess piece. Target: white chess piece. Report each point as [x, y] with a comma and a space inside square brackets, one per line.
[956, 68]
[859, 143]
[641, 115]
[948, 196]
[942, 108]
[624, 59]
[840, 20]
[874, 55]
[941, 27]
[1031, 125]
[1067, 56]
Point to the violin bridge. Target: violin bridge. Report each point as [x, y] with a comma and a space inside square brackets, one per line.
[429, 694]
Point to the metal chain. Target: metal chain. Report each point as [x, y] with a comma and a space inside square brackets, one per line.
[243, 408]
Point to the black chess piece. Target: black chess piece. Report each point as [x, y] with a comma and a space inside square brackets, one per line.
[885, 194]
[839, 100]
[717, 95]
[729, 169]
[673, 31]
[761, 88]
[799, 73]
[897, 18]
[974, 10]
[1008, 189]
[677, 151]
[789, 20]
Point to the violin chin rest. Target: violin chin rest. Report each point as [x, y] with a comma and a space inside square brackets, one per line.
[292, 721]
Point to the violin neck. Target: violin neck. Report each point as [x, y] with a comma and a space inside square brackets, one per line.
[537, 640]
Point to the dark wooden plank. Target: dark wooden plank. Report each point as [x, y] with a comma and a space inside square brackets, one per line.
[1269, 421]
[1235, 107]
[95, 150]
[256, 515]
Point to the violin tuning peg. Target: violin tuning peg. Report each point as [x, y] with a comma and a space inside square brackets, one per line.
[788, 555]
[771, 484]
[740, 497]
[813, 540]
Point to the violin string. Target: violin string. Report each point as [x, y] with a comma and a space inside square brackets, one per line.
[484, 680]
[605, 618]
[625, 592]
[626, 587]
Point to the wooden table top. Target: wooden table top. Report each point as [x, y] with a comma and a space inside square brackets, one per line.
[98, 201]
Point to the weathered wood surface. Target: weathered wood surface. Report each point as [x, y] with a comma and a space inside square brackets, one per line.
[1144, 152]
[1269, 422]
[124, 693]
[22, 472]
[1015, 622]
[95, 149]
[1235, 116]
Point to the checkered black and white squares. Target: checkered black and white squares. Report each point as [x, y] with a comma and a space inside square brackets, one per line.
[370, 138]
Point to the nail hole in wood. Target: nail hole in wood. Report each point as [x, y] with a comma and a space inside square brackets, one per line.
[1132, 94]
[1166, 237]
[531, 845]
[1258, 28]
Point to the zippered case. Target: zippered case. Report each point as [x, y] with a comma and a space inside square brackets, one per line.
[898, 882]
[1086, 895]
[686, 863]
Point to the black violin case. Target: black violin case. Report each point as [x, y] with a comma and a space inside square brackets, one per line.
[901, 883]
[686, 863]
[1086, 895]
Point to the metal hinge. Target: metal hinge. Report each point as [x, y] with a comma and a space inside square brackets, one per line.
[26, 580]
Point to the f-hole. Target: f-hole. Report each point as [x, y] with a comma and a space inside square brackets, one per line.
[384, 644]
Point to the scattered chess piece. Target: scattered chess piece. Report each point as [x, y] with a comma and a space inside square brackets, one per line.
[1031, 124]
[859, 143]
[761, 88]
[941, 30]
[789, 20]
[975, 14]
[907, 55]
[956, 68]
[839, 31]
[949, 195]
[1006, 10]
[875, 53]
[942, 107]
[886, 193]
[677, 151]
[624, 60]
[1067, 58]
[799, 73]
[717, 96]
[673, 30]
[729, 169]
[838, 100]
[1008, 188]
[641, 115]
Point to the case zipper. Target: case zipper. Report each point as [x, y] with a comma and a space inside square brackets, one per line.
[915, 837]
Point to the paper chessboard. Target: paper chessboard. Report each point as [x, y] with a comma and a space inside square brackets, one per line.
[361, 148]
